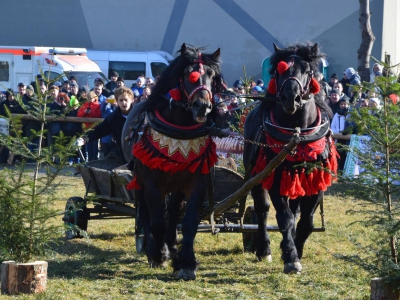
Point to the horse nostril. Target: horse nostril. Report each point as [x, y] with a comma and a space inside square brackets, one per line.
[297, 99]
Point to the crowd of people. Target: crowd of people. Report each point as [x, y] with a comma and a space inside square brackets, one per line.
[113, 100]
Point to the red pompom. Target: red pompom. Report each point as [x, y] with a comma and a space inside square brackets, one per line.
[272, 86]
[314, 86]
[282, 67]
[175, 94]
[194, 76]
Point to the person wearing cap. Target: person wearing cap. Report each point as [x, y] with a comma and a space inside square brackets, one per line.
[82, 95]
[12, 105]
[140, 83]
[376, 71]
[354, 79]
[333, 80]
[260, 83]
[91, 109]
[112, 84]
[114, 123]
[120, 82]
[255, 91]
[339, 125]
[66, 88]
[21, 89]
[99, 82]
[74, 89]
[333, 101]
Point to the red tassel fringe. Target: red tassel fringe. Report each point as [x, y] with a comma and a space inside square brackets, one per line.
[272, 86]
[194, 76]
[282, 67]
[133, 185]
[314, 86]
[175, 94]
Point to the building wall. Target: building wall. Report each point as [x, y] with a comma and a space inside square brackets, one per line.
[244, 30]
[390, 40]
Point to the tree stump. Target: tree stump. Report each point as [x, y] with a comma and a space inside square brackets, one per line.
[28, 278]
[383, 291]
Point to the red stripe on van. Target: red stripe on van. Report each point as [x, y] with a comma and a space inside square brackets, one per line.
[19, 52]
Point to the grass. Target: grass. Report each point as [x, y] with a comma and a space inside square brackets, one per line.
[108, 267]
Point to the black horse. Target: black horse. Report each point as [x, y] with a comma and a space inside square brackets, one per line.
[297, 185]
[174, 155]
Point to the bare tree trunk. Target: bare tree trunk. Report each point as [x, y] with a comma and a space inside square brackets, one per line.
[367, 40]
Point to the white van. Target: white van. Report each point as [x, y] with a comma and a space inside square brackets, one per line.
[21, 64]
[130, 65]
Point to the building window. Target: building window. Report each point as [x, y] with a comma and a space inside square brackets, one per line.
[4, 71]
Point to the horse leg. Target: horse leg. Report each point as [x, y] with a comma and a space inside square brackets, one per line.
[305, 225]
[261, 207]
[143, 219]
[174, 209]
[159, 253]
[185, 262]
[295, 208]
[286, 224]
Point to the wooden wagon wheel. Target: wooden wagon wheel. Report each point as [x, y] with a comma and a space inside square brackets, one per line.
[76, 217]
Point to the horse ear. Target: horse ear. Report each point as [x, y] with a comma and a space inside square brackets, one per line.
[183, 48]
[314, 49]
[216, 54]
[276, 48]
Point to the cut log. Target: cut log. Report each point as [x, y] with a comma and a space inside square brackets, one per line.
[28, 278]
[381, 290]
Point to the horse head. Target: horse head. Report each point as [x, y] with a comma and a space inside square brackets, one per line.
[294, 76]
[197, 82]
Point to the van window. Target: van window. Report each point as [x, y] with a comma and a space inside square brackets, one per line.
[157, 68]
[127, 70]
[53, 75]
[4, 71]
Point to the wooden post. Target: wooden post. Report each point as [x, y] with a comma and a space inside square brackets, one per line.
[28, 278]
[383, 291]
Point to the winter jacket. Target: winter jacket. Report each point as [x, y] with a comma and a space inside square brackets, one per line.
[13, 107]
[338, 123]
[94, 112]
[113, 124]
[354, 80]
[106, 110]
[72, 128]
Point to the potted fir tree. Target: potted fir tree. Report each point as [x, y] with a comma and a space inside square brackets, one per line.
[27, 212]
[377, 155]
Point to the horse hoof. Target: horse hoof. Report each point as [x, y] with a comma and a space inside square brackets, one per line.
[292, 268]
[187, 274]
[153, 264]
[268, 258]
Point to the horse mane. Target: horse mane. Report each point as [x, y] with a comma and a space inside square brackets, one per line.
[307, 53]
[172, 75]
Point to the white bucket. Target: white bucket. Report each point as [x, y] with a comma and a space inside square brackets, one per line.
[4, 126]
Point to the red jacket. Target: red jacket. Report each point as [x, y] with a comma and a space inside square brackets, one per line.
[94, 111]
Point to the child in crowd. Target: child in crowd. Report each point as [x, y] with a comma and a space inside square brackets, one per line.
[91, 109]
[340, 123]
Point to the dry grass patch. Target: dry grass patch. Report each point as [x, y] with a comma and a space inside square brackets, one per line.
[108, 267]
